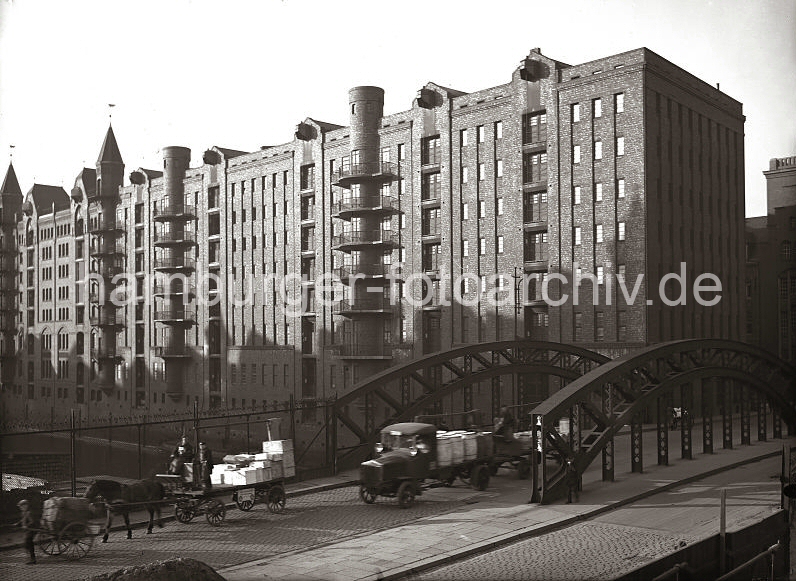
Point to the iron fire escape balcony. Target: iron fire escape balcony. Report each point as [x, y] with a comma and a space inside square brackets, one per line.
[364, 306]
[380, 204]
[103, 353]
[167, 212]
[365, 271]
[173, 264]
[106, 317]
[104, 226]
[109, 270]
[359, 239]
[160, 290]
[165, 239]
[167, 352]
[381, 171]
[175, 317]
[113, 249]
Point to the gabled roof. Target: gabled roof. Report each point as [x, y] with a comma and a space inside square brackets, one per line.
[229, 153]
[10, 183]
[110, 150]
[325, 126]
[88, 178]
[43, 197]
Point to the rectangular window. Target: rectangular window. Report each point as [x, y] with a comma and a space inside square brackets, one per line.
[619, 102]
[482, 246]
[431, 154]
[600, 275]
[482, 209]
[620, 146]
[576, 154]
[464, 175]
[499, 168]
[500, 244]
[577, 236]
[464, 140]
[598, 232]
[575, 113]
[465, 212]
[576, 195]
[499, 130]
[481, 172]
[598, 192]
[598, 108]
[500, 206]
[401, 152]
[620, 188]
[480, 132]
[621, 234]
[465, 248]
[598, 150]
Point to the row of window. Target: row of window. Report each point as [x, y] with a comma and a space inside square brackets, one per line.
[597, 108]
[479, 134]
[577, 233]
[597, 188]
[598, 150]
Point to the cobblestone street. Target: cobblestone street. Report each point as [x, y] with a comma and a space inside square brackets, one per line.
[307, 521]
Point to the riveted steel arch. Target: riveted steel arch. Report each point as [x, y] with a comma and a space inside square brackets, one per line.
[418, 384]
[612, 396]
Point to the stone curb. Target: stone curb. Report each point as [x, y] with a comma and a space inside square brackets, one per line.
[529, 532]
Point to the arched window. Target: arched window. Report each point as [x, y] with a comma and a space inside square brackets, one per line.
[79, 226]
[63, 340]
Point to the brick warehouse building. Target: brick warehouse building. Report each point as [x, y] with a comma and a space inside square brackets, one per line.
[626, 165]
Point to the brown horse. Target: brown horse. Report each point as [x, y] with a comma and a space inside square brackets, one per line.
[125, 498]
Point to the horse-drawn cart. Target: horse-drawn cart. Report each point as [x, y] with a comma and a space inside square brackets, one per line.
[190, 502]
[66, 528]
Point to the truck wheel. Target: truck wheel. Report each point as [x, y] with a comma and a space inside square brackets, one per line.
[480, 477]
[523, 469]
[367, 495]
[406, 494]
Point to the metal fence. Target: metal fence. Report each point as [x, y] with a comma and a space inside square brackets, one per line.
[69, 452]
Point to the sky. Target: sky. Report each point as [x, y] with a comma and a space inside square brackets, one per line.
[242, 74]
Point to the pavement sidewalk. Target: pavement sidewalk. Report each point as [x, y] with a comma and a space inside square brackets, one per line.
[435, 541]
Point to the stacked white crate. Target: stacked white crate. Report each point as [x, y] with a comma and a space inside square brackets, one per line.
[280, 454]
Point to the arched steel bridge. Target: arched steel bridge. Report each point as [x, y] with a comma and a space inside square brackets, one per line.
[600, 396]
[603, 401]
[420, 385]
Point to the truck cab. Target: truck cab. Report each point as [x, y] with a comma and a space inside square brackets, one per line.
[406, 457]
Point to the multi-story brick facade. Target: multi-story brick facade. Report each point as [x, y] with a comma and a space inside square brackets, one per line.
[623, 166]
[771, 264]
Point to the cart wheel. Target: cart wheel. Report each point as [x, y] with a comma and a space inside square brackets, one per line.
[76, 541]
[523, 469]
[493, 468]
[49, 543]
[215, 511]
[367, 495]
[276, 499]
[480, 478]
[183, 512]
[448, 482]
[244, 505]
[406, 494]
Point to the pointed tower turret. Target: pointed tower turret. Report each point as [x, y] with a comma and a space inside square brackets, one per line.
[105, 249]
[10, 208]
[11, 197]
